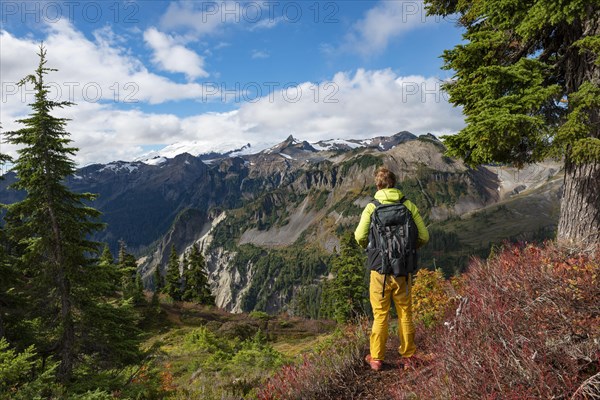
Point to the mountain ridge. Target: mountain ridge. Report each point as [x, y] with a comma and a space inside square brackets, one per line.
[208, 152]
[291, 198]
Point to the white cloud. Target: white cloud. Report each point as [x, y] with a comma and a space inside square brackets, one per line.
[260, 54]
[358, 105]
[199, 17]
[382, 23]
[353, 105]
[174, 57]
[87, 70]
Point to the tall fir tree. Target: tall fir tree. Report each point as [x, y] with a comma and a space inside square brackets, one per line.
[197, 288]
[346, 296]
[527, 76]
[107, 259]
[138, 294]
[109, 273]
[51, 226]
[127, 268]
[158, 280]
[173, 278]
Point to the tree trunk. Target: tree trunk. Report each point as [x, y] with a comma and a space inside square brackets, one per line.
[67, 337]
[579, 222]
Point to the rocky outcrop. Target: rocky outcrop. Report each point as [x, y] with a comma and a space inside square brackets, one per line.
[290, 192]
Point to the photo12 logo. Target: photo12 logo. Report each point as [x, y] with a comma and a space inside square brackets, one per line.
[423, 92]
[53, 11]
[272, 92]
[268, 11]
[128, 11]
[89, 92]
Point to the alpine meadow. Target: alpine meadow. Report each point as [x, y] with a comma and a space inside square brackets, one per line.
[222, 200]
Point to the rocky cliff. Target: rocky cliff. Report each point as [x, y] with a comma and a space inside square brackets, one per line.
[268, 222]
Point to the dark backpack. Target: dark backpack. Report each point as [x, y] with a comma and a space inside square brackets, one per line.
[392, 248]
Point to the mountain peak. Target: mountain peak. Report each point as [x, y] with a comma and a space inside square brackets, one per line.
[291, 145]
[406, 135]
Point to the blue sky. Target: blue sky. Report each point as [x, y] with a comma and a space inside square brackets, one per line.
[147, 74]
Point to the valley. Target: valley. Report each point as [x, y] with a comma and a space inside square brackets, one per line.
[269, 222]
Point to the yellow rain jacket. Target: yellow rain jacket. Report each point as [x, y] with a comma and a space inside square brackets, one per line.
[388, 196]
[396, 288]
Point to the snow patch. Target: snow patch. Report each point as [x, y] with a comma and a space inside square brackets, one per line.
[325, 145]
[156, 161]
[119, 166]
[201, 147]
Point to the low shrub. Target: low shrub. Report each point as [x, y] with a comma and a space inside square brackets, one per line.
[260, 315]
[527, 327]
[238, 329]
[431, 295]
[324, 373]
[208, 365]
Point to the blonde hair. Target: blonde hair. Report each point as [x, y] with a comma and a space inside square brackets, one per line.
[384, 178]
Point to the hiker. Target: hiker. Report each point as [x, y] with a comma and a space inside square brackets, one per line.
[385, 287]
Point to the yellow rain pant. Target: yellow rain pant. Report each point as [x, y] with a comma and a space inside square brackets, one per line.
[395, 288]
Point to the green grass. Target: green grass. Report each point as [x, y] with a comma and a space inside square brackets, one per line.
[519, 216]
[526, 217]
[196, 347]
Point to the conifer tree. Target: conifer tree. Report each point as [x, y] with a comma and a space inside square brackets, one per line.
[52, 226]
[345, 296]
[158, 280]
[127, 268]
[138, 295]
[528, 79]
[173, 278]
[109, 274]
[197, 288]
[106, 258]
[159, 283]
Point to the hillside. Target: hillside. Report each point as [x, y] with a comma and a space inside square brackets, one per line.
[252, 251]
[268, 222]
[201, 352]
[524, 324]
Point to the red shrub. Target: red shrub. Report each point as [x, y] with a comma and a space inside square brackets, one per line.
[323, 374]
[527, 327]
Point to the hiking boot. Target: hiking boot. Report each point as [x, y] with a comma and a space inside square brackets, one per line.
[376, 365]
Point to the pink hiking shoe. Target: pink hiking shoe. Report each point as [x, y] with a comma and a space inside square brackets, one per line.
[376, 365]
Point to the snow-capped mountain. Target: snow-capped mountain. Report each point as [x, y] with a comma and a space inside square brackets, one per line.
[289, 145]
[292, 192]
[201, 149]
[208, 151]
